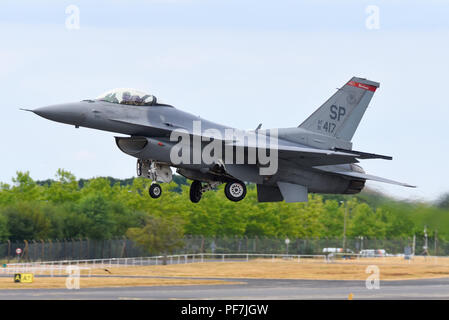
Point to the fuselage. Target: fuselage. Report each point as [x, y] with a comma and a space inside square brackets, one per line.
[285, 163]
[156, 123]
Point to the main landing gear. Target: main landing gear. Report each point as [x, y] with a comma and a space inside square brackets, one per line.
[234, 190]
[155, 190]
[196, 191]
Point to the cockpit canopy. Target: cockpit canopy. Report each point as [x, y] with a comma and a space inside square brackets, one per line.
[128, 96]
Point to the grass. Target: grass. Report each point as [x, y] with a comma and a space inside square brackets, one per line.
[391, 268]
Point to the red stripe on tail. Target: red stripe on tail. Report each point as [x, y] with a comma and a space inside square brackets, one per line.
[362, 86]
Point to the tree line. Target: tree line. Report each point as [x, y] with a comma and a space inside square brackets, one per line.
[103, 208]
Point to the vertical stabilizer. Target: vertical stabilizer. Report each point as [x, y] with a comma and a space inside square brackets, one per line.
[340, 115]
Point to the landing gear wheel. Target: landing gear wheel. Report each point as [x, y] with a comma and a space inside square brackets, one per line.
[155, 191]
[139, 167]
[235, 191]
[195, 191]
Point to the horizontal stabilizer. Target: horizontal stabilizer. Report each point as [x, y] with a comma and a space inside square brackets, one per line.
[373, 178]
[364, 155]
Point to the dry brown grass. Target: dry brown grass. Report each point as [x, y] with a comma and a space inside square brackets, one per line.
[390, 269]
[92, 282]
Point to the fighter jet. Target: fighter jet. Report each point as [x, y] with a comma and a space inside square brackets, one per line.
[285, 163]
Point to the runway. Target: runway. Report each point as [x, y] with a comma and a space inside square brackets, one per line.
[252, 289]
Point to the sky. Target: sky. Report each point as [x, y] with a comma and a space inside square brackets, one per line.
[238, 63]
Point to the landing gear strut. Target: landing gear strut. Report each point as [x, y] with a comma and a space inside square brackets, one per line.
[197, 189]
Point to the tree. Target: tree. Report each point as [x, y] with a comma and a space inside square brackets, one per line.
[4, 233]
[443, 201]
[64, 189]
[25, 189]
[333, 219]
[159, 235]
[98, 213]
[26, 221]
[101, 208]
[366, 222]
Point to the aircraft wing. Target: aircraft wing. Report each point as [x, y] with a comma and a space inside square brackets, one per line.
[365, 176]
[315, 157]
[305, 156]
[300, 155]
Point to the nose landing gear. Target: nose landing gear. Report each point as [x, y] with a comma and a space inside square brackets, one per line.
[158, 172]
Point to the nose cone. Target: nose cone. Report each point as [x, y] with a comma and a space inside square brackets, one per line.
[70, 113]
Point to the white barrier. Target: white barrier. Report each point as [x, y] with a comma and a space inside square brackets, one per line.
[51, 270]
[157, 260]
[359, 258]
[59, 267]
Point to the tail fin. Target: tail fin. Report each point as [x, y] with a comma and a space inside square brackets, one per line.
[340, 116]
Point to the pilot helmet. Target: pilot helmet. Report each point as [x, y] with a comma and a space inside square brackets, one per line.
[126, 96]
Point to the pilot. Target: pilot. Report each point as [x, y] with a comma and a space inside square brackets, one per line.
[136, 100]
[126, 98]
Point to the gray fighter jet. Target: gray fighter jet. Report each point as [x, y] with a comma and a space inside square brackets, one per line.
[284, 163]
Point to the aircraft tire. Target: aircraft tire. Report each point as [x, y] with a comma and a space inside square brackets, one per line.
[139, 167]
[195, 191]
[235, 191]
[155, 190]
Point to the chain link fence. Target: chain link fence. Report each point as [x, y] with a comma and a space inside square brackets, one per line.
[79, 249]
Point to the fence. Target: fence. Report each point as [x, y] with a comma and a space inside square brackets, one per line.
[59, 268]
[83, 249]
[70, 249]
[88, 268]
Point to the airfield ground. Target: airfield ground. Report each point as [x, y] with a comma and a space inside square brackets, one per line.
[216, 273]
[391, 268]
[103, 282]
